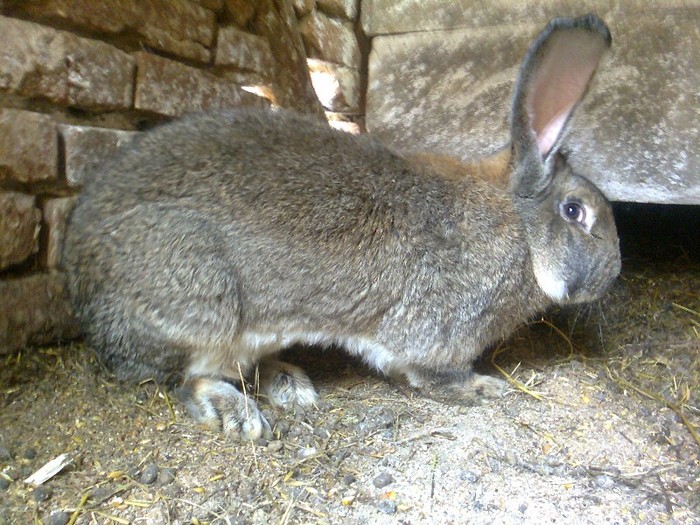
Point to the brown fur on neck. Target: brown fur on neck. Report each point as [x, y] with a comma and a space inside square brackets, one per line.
[495, 169]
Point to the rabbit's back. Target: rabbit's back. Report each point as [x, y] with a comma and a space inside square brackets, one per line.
[281, 163]
[279, 176]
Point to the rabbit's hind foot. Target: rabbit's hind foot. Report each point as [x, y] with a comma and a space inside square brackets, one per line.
[286, 385]
[219, 405]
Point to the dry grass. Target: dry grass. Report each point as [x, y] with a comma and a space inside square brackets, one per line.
[661, 364]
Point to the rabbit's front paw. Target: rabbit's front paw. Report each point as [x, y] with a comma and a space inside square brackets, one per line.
[221, 406]
[482, 387]
[286, 385]
[468, 388]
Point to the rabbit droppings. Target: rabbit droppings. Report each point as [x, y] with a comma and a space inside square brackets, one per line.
[214, 242]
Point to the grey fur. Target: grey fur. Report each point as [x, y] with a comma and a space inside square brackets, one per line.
[220, 238]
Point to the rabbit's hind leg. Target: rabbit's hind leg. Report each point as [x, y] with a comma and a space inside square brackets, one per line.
[286, 385]
[219, 405]
[165, 304]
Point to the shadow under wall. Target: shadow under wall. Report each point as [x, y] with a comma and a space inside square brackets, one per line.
[656, 232]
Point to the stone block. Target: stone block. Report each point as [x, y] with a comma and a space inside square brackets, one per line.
[38, 61]
[346, 9]
[170, 88]
[35, 310]
[292, 87]
[56, 212]
[242, 11]
[245, 51]
[635, 136]
[28, 146]
[182, 28]
[337, 87]
[445, 92]
[330, 40]
[86, 147]
[382, 17]
[20, 221]
[343, 122]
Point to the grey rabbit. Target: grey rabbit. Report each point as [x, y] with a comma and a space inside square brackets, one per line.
[214, 242]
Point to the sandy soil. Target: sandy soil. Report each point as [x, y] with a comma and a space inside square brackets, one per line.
[600, 426]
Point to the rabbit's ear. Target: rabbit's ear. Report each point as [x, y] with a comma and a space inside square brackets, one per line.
[553, 78]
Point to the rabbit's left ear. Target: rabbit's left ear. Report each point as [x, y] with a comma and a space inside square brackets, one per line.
[553, 79]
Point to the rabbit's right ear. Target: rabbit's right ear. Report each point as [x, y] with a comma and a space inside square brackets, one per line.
[553, 79]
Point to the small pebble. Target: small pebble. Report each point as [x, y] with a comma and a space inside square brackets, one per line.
[469, 476]
[172, 491]
[374, 420]
[12, 472]
[388, 434]
[58, 517]
[382, 480]
[349, 498]
[149, 475]
[166, 476]
[41, 493]
[296, 431]
[101, 494]
[306, 452]
[30, 453]
[522, 508]
[275, 446]
[387, 506]
[322, 433]
[4, 483]
[5, 454]
[349, 479]
[604, 482]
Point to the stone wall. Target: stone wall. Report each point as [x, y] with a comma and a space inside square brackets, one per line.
[441, 75]
[78, 79]
[328, 28]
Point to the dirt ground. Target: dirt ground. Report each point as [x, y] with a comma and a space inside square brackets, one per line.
[600, 425]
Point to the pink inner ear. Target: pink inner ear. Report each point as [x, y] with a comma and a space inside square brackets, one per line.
[560, 82]
[547, 137]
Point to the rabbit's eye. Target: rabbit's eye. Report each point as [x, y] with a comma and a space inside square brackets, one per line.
[573, 211]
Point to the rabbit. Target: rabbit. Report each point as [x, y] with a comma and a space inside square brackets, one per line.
[216, 241]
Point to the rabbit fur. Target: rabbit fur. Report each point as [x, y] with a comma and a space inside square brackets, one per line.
[216, 241]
